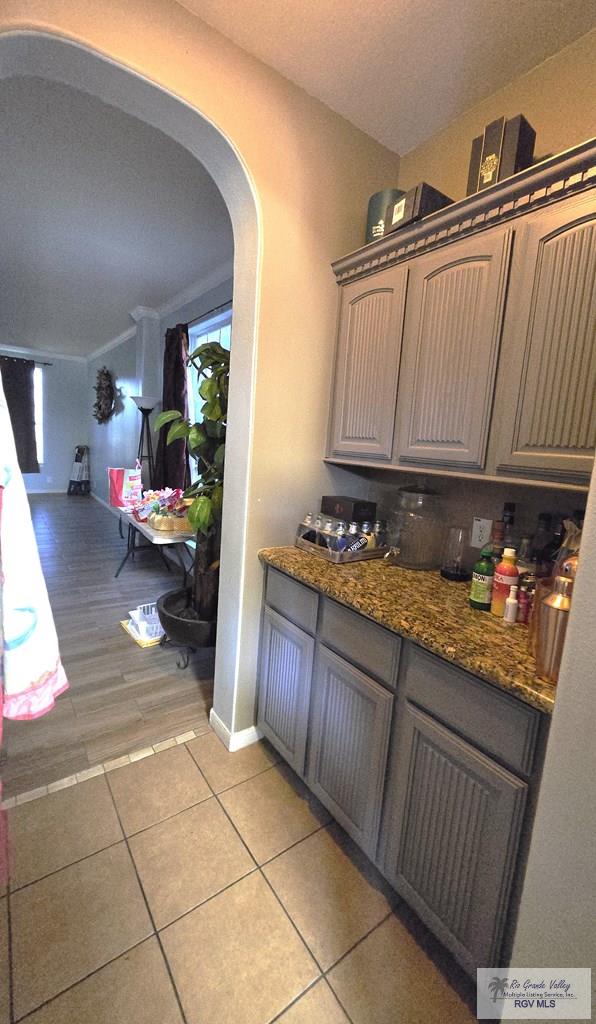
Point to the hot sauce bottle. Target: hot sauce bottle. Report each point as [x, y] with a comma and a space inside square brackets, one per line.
[506, 576]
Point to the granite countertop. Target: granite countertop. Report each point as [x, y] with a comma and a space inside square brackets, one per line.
[429, 610]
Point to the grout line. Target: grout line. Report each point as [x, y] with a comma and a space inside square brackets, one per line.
[151, 918]
[294, 925]
[337, 999]
[56, 871]
[52, 999]
[261, 771]
[276, 856]
[296, 999]
[358, 941]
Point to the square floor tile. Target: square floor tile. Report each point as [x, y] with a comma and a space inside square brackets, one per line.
[273, 811]
[72, 922]
[237, 958]
[59, 829]
[156, 787]
[186, 859]
[4, 979]
[134, 989]
[388, 978]
[222, 769]
[331, 891]
[317, 1006]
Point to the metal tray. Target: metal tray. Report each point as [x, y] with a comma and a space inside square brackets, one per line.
[340, 557]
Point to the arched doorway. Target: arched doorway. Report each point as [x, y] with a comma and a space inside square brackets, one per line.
[56, 59]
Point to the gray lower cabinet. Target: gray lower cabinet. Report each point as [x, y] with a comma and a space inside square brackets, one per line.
[433, 774]
[451, 831]
[284, 686]
[349, 736]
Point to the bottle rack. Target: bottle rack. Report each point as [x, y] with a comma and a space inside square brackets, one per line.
[338, 557]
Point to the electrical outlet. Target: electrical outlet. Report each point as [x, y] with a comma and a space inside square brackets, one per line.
[481, 532]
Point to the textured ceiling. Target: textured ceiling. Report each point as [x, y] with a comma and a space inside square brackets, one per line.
[400, 70]
[99, 213]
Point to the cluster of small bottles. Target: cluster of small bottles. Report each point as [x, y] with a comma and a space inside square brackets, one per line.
[504, 577]
[336, 535]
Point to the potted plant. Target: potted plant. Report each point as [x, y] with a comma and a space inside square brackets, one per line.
[189, 615]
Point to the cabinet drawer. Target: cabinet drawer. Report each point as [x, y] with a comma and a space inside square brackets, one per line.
[297, 602]
[493, 721]
[361, 641]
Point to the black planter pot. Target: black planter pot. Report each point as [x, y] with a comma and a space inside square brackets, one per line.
[186, 632]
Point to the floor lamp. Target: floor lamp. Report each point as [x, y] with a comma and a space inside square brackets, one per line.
[146, 404]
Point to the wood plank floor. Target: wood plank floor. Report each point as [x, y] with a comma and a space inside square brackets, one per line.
[121, 697]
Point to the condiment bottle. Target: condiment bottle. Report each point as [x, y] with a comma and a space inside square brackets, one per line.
[506, 575]
[379, 532]
[356, 540]
[508, 521]
[370, 536]
[341, 538]
[498, 542]
[523, 605]
[511, 605]
[482, 581]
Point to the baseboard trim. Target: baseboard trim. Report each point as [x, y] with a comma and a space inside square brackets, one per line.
[233, 740]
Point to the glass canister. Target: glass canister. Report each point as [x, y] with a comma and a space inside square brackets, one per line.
[416, 529]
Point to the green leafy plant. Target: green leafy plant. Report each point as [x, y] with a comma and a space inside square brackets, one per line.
[206, 441]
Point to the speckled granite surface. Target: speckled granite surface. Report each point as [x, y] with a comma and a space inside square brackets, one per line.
[429, 610]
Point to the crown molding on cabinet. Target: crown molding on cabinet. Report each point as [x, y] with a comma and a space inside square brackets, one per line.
[552, 179]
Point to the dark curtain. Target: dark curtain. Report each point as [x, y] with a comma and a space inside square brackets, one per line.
[17, 378]
[171, 460]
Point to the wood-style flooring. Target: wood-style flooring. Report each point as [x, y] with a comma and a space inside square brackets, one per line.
[121, 697]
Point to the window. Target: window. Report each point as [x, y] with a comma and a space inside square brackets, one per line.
[213, 328]
[216, 327]
[38, 411]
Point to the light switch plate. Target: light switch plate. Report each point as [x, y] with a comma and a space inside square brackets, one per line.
[481, 532]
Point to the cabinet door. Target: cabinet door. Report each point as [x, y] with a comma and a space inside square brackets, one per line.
[350, 721]
[284, 687]
[367, 365]
[451, 344]
[546, 400]
[451, 829]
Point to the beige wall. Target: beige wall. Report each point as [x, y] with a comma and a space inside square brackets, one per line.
[558, 98]
[311, 174]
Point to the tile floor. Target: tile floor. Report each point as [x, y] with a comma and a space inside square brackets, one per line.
[205, 887]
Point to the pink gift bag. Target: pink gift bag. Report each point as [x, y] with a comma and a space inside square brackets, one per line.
[126, 486]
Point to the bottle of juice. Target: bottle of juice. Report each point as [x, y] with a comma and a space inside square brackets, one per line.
[482, 581]
[506, 576]
[367, 530]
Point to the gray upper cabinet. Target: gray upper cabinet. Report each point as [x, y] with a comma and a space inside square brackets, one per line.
[350, 722]
[367, 365]
[452, 333]
[497, 331]
[451, 829]
[547, 421]
[284, 686]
